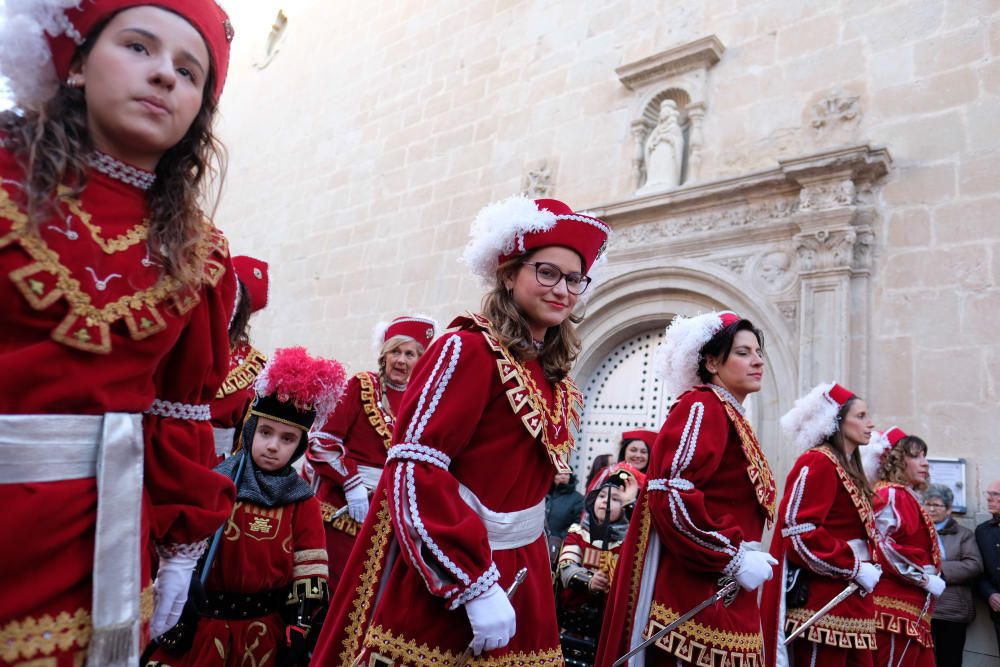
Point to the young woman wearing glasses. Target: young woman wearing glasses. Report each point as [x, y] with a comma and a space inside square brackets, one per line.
[483, 427]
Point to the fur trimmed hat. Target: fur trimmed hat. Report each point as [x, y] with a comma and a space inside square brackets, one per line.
[420, 328]
[517, 225]
[297, 389]
[814, 416]
[40, 38]
[878, 446]
[676, 358]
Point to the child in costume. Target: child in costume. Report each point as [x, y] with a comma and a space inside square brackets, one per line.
[270, 570]
[116, 295]
[587, 562]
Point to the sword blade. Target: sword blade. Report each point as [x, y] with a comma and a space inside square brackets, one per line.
[824, 610]
[707, 602]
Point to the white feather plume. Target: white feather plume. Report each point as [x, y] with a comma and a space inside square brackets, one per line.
[25, 57]
[675, 360]
[812, 419]
[872, 453]
[497, 230]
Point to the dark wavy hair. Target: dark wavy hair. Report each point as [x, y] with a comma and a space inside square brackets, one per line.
[52, 145]
[721, 345]
[561, 345]
[239, 326]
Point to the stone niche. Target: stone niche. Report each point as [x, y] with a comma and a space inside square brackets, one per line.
[790, 248]
[669, 112]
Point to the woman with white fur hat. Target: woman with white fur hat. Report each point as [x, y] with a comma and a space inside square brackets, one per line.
[825, 536]
[700, 519]
[909, 548]
[482, 430]
[345, 458]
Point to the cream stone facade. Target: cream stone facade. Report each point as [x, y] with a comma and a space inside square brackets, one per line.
[838, 185]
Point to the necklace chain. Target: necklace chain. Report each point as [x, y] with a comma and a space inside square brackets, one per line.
[118, 170]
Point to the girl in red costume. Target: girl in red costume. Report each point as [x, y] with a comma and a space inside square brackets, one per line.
[116, 295]
[699, 521]
[484, 425]
[908, 550]
[345, 458]
[825, 536]
[270, 570]
[234, 396]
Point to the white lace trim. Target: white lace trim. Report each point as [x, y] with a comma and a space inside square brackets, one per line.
[708, 539]
[734, 565]
[192, 550]
[413, 451]
[424, 535]
[192, 411]
[118, 170]
[451, 349]
[667, 484]
[590, 221]
[478, 587]
[795, 530]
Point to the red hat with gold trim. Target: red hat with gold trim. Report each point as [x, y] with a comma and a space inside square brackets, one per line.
[814, 417]
[677, 356]
[518, 225]
[254, 275]
[41, 37]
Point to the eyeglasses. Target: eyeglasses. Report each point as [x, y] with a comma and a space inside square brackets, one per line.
[934, 506]
[549, 275]
[993, 495]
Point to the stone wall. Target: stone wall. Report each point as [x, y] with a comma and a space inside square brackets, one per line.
[362, 150]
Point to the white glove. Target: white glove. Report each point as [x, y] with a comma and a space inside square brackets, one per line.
[170, 592]
[756, 568]
[357, 503]
[868, 576]
[934, 585]
[492, 618]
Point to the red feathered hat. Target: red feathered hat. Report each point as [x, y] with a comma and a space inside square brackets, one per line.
[253, 273]
[297, 389]
[839, 394]
[894, 435]
[518, 225]
[67, 27]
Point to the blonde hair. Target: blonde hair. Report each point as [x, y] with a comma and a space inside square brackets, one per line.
[394, 343]
[893, 465]
[561, 345]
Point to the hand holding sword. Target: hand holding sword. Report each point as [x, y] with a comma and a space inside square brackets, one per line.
[519, 578]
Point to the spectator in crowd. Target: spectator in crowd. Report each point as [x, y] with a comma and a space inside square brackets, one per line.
[988, 537]
[563, 508]
[601, 461]
[961, 564]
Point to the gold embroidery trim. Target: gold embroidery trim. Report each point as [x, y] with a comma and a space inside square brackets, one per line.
[832, 630]
[932, 535]
[645, 523]
[86, 327]
[243, 375]
[121, 242]
[370, 395]
[523, 393]
[861, 502]
[30, 636]
[758, 471]
[734, 642]
[146, 604]
[406, 651]
[364, 593]
[884, 602]
[344, 523]
[304, 555]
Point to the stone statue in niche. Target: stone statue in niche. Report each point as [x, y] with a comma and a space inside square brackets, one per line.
[537, 183]
[664, 150]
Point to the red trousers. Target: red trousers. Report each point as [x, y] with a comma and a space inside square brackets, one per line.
[813, 654]
[892, 646]
[338, 549]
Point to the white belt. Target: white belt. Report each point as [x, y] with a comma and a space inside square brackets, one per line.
[507, 530]
[49, 448]
[370, 476]
[860, 549]
[223, 440]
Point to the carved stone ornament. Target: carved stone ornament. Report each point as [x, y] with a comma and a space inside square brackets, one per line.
[823, 196]
[826, 249]
[537, 181]
[774, 271]
[837, 107]
[734, 264]
[700, 54]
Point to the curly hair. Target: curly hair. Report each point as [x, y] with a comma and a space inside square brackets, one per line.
[893, 465]
[52, 145]
[561, 345]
